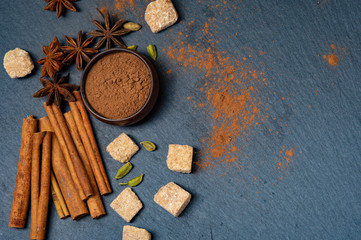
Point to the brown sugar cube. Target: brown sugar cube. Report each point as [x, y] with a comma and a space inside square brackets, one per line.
[122, 148]
[160, 14]
[172, 198]
[179, 158]
[134, 233]
[18, 63]
[127, 204]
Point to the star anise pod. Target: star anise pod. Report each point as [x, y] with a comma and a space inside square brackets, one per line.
[52, 62]
[56, 90]
[108, 33]
[77, 50]
[59, 6]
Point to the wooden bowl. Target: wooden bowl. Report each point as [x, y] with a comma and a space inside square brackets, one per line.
[144, 110]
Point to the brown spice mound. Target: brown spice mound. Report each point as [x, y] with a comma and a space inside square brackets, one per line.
[332, 59]
[118, 85]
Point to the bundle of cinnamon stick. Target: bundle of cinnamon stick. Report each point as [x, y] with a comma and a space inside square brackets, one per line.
[62, 159]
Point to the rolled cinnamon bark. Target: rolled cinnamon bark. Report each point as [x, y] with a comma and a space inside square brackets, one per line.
[58, 198]
[88, 148]
[90, 133]
[95, 203]
[20, 204]
[56, 203]
[78, 164]
[56, 128]
[76, 206]
[73, 161]
[35, 181]
[43, 205]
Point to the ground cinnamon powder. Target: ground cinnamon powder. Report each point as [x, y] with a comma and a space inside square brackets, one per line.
[230, 96]
[285, 159]
[121, 4]
[118, 85]
[233, 96]
[332, 58]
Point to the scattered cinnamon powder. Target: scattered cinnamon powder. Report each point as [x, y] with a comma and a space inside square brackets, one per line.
[231, 96]
[289, 154]
[122, 4]
[285, 159]
[332, 58]
[125, 9]
[103, 9]
[206, 26]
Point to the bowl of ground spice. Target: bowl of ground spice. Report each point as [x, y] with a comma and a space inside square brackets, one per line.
[119, 86]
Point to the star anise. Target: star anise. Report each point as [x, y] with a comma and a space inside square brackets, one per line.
[59, 6]
[77, 50]
[52, 60]
[56, 90]
[108, 33]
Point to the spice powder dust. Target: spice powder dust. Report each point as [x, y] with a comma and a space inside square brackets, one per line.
[118, 85]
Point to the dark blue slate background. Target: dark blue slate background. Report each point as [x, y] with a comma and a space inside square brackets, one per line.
[319, 195]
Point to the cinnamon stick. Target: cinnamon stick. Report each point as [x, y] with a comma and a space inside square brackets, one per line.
[20, 204]
[76, 206]
[88, 148]
[56, 203]
[90, 133]
[73, 161]
[35, 180]
[43, 205]
[78, 164]
[58, 198]
[56, 129]
[95, 203]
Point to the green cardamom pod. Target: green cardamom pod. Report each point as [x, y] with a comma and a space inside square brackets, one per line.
[124, 170]
[132, 26]
[152, 51]
[134, 182]
[133, 47]
[149, 145]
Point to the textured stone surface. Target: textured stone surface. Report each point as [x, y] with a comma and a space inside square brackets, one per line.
[319, 195]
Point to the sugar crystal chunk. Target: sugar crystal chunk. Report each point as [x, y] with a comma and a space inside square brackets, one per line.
[160, 14]
[18, 63]
[179, 158]
[127, 204]
[172, 198]
[122, 148]
[134, 233]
